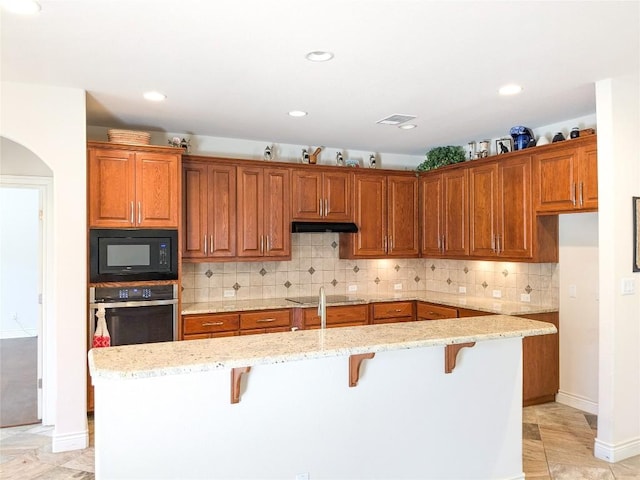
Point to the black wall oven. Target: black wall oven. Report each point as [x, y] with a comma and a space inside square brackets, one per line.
[136, 314]
[131, 255]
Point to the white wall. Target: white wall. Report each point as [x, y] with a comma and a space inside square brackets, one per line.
[618, 109]
[19, 262]
[579, 311]
[50, 122]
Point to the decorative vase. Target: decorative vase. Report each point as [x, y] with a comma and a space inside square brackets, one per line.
[558, 137]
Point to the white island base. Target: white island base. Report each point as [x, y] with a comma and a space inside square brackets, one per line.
[405, 419]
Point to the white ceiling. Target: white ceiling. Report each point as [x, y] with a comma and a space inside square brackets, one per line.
[235, 68]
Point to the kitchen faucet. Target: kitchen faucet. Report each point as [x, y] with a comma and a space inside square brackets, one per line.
[322, 308]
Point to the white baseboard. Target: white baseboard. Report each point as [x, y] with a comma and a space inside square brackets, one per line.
[615, 453]
[576, 401]
[70, 441]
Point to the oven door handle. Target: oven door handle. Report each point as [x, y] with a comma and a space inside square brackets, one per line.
[150, 303]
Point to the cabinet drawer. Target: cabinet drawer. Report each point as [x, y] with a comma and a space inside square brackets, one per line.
[466, 312]
[428, 311]
[265, 319]
[255, 331]
[348, 315]
[392, 309]
[192, 324]
[380, 321]
[200, 336]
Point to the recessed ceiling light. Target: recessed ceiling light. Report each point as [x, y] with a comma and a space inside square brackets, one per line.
[510, 89]
[319, 56]
[408, 126]
[297, 113]
[22, 7]
[154, 96]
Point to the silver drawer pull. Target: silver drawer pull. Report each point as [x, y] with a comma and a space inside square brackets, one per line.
[212, 324]
[265, 320]
[398, 309]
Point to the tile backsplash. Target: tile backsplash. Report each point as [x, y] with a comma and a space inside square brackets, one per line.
[315, 263]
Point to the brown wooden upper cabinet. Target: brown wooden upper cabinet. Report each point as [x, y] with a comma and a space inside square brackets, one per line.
[444, 214]
[208, 210]
[385, 211]
[501, 219]
[133, 186]
[566, 177]
[321, 196]
[263, 223]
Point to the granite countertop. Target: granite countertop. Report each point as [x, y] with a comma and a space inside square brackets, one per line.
[176, 358]
[483, 304]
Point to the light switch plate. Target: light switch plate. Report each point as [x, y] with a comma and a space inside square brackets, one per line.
[462, 289]
[353, 288]
[397, 286]
[628, 286]
[497, 294]
[573, 291]
[229, 293]
[525, 297]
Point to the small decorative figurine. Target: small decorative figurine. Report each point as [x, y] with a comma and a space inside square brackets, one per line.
[313, 158]
[339, 159]
[575, 133]
[267, 153]
[372, 161]
[558, 137]
[305, 156]
[471, 150]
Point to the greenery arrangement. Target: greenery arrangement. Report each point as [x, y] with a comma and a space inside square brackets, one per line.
[441, 156]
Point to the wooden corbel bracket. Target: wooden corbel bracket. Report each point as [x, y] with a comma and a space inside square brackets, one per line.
[451, 354]
[354, 367]
[236, 378]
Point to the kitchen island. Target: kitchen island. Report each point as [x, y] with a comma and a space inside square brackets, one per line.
[412, 400]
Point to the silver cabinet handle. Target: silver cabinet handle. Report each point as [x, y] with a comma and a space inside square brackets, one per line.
[320, 206]
[385, 244]
[212, 324]
[573, 198]
[493, 243]
[326, 207]
[261, 243]
[265, 320]
[498, 244]
[211, 245]
[139, 213]
[131, 213]
[581, 199]
[444, 245]
[205, 245]
[268, 246]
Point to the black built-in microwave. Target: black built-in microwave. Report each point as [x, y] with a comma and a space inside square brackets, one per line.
[123, 255]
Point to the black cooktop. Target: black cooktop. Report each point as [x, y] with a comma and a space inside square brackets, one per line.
[313, 300]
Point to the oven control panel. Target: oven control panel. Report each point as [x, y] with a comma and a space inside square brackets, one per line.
[135, 293]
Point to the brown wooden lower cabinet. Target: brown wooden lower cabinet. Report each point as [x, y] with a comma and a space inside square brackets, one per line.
[430, 311]
[541, 363]
[339, 316]
[392, 312]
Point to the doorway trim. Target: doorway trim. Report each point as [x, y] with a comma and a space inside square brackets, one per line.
[46, 320]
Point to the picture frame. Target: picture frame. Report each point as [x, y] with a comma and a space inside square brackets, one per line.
[504, 145]
[636, 234]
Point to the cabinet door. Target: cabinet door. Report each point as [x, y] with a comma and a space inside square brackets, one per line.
[157, 191]
[111, 188]
[431, 213]
[588, 178]
[483, 209]
[194, 210]
[403, 216]
[336, 187]
[455, 215]
[555, 188]
[277, 222]
[370, 193]
[221, 202]
[250, 237]
[515, 232]
[306, 195]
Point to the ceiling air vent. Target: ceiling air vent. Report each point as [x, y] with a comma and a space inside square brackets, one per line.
[396, 119]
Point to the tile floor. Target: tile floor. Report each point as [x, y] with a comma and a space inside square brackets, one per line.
[557, 445]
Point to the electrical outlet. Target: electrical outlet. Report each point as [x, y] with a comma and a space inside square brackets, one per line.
[229, 293]
[462, 289]
[525, 297]
[397, 286]
[353, 288]
[497, 294]
[628, 286]
[573, 291]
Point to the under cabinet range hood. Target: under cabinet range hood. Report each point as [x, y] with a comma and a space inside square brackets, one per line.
[321, 227]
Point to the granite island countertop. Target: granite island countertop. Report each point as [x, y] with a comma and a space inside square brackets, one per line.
[184, 357]
[482, 304]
